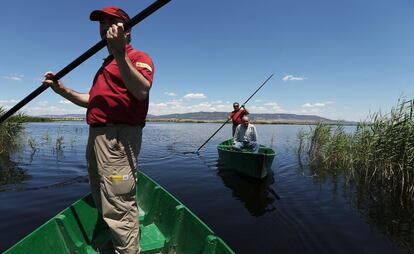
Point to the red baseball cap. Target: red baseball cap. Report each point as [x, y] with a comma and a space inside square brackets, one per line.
[114, 11]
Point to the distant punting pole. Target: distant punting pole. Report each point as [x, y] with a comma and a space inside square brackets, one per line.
[229, 119]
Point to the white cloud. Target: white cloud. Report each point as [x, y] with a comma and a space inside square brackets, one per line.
[170, 93]
[42, 103]
[268, 107]
[257, 109]
[7, 104]
[64, 102]
[185, 106]
[292, 78]
[14, 76]
[180, 106]
[51, 110]
[316, 107]
[316, 104]
[194, 96]
[163, 108]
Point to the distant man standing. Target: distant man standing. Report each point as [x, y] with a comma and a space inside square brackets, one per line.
[236, 115]
[246, 136]
[117, 106]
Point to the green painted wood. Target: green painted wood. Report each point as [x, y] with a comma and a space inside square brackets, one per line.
[256, 165]
[167, 226]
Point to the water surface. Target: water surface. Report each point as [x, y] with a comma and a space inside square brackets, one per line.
[289, 212]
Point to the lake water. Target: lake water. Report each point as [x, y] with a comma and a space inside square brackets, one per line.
[289, 212]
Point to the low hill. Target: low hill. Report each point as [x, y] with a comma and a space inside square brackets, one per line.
[221, 117]
[257, 118]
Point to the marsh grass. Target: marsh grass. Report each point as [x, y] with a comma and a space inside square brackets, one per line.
[378, 152]
[377, 160]
[10, 141]
[58, 147]
[10, 131]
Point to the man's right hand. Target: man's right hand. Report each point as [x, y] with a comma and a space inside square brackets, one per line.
[57, 86]
[80, 99]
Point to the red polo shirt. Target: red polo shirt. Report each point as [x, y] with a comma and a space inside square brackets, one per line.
[236, 116]
[109, 99]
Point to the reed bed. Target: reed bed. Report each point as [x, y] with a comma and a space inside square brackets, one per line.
[376, 158]
[380, 152]
[10, 131]
[10, 140]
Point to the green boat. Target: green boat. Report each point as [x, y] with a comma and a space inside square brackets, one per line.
[256, 165]
[166, 225]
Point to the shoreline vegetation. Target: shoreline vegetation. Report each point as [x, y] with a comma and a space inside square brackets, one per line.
[210, 117]
[377, 161]
[10, 140]
[179, 120]
[253, 121]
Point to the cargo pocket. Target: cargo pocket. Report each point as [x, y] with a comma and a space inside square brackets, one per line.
[118, 180]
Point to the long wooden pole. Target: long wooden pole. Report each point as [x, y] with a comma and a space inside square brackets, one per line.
[229, 119]
[90, 52]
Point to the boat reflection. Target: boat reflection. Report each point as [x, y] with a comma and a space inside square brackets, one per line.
[257, 195]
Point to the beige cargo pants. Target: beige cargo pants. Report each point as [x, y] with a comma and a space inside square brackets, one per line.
[111, 155]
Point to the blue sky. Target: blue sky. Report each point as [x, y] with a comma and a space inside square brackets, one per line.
[337, 59]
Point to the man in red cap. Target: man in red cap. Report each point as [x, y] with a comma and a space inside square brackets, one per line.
[236, 116]
[117, 106]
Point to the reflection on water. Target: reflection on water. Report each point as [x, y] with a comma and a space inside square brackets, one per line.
[388, 214]
[379, 207]
[10, 172]
[255, 194]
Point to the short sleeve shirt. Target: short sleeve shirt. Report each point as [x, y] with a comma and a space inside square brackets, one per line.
[109, 99]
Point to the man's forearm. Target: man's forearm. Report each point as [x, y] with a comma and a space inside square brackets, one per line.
[80, 99]
[134, 81]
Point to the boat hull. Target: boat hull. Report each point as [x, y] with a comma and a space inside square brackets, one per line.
[166, 226]
[257, 165]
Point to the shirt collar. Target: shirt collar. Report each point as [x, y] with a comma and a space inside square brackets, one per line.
[128, 49]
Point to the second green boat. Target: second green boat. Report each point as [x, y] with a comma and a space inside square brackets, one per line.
[256, 165]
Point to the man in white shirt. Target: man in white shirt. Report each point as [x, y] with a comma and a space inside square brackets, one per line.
[245, 136]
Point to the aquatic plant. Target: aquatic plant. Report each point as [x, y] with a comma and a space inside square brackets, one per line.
[10, 131]
[46, 137]
[380, 151]
[59, 146]
[32, 144]
[377, 159]
[10, 140]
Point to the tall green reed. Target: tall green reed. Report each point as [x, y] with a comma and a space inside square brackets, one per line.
[10, 131]
[379, 151]
[10, 140]
[377, 160]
